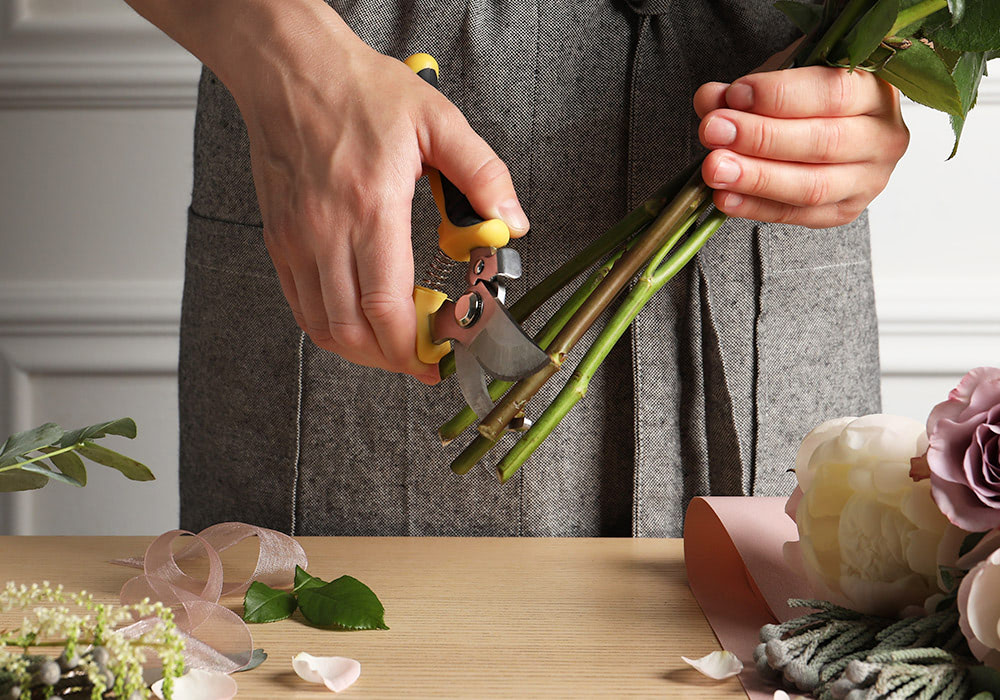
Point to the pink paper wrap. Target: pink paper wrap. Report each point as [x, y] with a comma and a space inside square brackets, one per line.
[738, 574]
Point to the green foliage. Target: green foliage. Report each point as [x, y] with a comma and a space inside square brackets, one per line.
[265, 604]
[922, 75]
[868, 33]
[345, 603]
[805, 16]
[976, 28]
[21, 470]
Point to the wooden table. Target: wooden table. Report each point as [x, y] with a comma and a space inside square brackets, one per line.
[472, 618]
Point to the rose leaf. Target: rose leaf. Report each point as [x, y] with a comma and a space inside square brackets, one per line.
[304, 580]
[265, 604]
[345, 602]
[976, 29]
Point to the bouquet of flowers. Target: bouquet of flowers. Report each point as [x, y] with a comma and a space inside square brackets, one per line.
[899, 534]
[934, 51]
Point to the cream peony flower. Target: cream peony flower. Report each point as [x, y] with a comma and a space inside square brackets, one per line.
[868, 534]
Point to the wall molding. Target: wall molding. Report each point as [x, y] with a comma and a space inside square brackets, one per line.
[94, 54]
[100, 53]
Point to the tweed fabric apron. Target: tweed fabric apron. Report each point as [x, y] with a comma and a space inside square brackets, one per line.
[770, 331]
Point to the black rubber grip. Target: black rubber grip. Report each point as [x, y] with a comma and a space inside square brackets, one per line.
[456, 205]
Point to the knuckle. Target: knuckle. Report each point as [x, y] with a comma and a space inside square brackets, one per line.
[784, 213]
[490, 172]
[829, 139]
[843, 90]
[779, 97]
[378, 304]
[761, 138]
[761, 181]
[347, 336]
[817, 191]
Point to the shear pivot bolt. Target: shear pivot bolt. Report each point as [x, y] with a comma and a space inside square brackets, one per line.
[468, 308]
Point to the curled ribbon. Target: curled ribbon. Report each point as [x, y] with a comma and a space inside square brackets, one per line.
[216, 638]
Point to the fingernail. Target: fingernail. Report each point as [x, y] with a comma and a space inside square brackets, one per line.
[720, 131]
[732, 200]
[513, 215]
[740, 96]
[727, 171]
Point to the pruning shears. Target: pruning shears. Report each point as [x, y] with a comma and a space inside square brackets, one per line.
[486, 339]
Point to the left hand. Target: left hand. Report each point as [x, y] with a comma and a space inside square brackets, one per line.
[809, 146]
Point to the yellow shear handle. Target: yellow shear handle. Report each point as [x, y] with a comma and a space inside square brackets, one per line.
[461, 229]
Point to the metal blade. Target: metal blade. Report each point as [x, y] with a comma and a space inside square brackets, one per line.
[503, 349]
[472, 381]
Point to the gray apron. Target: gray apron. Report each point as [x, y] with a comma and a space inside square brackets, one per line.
[770, 331]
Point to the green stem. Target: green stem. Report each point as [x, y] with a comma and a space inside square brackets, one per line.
[471, 455]
[917, 12]
[689, 200]
[622, 231]
[466, 417]
[41, 457]
[575, 389]
[840, 27]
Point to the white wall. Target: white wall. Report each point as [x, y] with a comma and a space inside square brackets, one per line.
[96, 115]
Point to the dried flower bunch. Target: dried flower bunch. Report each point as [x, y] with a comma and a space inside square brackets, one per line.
[101, 653]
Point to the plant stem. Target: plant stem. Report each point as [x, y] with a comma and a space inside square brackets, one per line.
[851, 13]
[651, 281]
[471, 455]
[622, 231]
[466, 417]
[688, 200]
[41, 457]
[915, 13]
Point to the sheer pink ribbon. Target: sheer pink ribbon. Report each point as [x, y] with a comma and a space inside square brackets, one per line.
[216, 638]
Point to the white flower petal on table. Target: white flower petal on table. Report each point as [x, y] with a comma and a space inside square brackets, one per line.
[198, 684]
[717, 665]
[780, 695]
[335, 672]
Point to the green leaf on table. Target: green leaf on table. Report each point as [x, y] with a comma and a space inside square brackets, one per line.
[977, 28]
[26, 441]
[804, 16]
[120, 426]
[304, 580]
[922, 75]
[137, 471]
[868, 33]
[968, 73]
[39, 468]
[265, 604]
[20, 480]
[345, 602]
[257, 657]
[69, 463]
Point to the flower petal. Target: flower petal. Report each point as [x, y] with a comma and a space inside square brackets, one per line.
[335, 672]
[198, 684]
[717, 665]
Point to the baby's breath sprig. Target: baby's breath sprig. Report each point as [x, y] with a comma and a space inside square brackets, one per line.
[95, 660]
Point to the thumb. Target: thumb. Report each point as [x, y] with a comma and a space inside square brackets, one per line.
[463, 157]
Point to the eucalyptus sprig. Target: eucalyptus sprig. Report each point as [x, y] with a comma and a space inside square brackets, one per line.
[29, 459]
[344, 602]
[934, 51]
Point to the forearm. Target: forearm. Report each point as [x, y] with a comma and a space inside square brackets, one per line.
[245, 42]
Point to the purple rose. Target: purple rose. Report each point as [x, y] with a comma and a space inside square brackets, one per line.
[964, 451]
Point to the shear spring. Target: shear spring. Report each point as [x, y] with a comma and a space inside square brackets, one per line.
[438, 273]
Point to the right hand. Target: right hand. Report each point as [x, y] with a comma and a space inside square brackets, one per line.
[339, 134]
